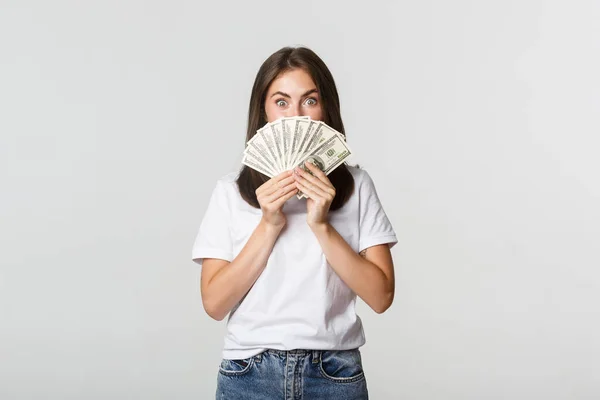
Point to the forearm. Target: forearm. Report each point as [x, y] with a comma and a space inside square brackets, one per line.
[235, 279]
[362, 276]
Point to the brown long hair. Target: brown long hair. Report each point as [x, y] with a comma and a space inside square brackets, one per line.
[281, 61]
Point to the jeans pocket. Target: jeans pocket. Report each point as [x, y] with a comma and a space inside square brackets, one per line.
[236, 367]
[341, 365]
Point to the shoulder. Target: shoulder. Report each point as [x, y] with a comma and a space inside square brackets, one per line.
[362, 179]
[225, 186]
[357, 172]
[228, 180]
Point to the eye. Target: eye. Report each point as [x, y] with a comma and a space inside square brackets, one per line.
[311, 101]
[281, 103]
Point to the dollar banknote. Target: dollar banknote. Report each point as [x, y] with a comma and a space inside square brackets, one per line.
[327, 156]
[283, 144]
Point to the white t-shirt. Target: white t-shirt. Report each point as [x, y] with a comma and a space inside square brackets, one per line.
[298, 301]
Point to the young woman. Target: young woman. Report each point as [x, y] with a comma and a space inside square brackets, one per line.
[288, 270]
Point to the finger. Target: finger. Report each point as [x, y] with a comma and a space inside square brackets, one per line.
[309, 180]
[279, 193]
[279, 202]
[311, 191]
[287, 193]
[316, 171]
[278, 185]
[273, 181]
[317, 178]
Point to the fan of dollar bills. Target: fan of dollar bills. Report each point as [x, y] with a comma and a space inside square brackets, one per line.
[283, 144]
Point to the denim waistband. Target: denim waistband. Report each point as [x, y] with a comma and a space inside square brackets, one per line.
[294, 351]
[316, 354]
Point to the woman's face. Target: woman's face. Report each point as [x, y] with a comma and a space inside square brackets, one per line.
[292, 94]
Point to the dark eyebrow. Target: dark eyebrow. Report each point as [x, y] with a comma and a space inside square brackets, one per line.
[288, 96]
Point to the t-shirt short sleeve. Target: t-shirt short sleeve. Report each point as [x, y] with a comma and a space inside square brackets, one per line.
[214, 236]
[374, 226]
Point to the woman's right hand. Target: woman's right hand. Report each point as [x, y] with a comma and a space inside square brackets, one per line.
[273, 194]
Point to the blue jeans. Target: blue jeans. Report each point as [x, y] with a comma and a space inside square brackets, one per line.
[294, 375]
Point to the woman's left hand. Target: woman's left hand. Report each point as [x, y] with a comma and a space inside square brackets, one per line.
[319, 190]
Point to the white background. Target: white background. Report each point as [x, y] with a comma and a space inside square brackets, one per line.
[478, 121]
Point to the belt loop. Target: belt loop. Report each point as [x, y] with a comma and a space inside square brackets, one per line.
[316, 356]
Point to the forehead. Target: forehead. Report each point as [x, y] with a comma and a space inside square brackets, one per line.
[291, 81]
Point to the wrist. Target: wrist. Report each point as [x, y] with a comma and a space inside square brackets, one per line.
[320, 227]
[271, 228]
